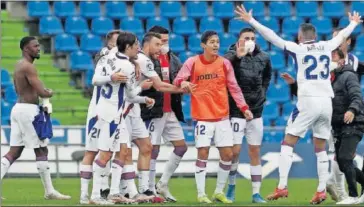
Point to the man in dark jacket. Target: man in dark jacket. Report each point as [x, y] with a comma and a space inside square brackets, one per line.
[165, 116]
[347, 122]
[252, 68]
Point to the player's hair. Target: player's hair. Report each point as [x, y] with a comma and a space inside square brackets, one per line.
[125, 39]
[149, 36]
[206, 35]
[25, 41]
[159, 30]
[110, 34]
[338, 29]
[246, 29]
[339, 52]
[308, 31]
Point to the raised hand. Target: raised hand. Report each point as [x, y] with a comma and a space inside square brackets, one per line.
[243, 14]
[355, 17]
[240, 50]
[150, 102]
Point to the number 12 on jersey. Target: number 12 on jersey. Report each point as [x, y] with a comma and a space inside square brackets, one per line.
[324, 59]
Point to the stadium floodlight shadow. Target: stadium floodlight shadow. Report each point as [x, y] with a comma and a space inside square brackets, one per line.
[78, 157]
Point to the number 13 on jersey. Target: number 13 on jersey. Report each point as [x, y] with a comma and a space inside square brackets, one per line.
[311, 70]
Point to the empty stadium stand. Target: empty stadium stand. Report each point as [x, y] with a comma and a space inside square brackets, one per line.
[77, 30]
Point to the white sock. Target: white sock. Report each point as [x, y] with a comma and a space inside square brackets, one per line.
[105, 179]
[86, 175]
[285, 163]
[232, 173]
[98, 173]
[170, 168]
[152, 173]
[331, 180]
[5, 165]
[45, 174]
[200, 176]
[256, 177]
[339, 178]
[143, 177]
[222, 175]
[116, 170]
[322, 170]
[128, 182]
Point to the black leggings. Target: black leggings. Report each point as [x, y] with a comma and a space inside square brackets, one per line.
[345, 149]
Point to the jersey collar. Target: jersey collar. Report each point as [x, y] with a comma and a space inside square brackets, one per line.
[121, 56]
[309, 42]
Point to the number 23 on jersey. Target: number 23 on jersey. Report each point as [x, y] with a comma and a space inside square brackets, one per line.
[311, 72]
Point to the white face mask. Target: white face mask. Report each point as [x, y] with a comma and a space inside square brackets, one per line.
[249, 46]
[165, 49]
[333, 66]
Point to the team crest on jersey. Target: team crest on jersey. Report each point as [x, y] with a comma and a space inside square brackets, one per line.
[150, 66]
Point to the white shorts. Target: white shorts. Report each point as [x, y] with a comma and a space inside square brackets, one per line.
[167, 127]
[252, 130]
[221, 132]
[22, 130]
[311, 113]
[107, 136]
[136, 128]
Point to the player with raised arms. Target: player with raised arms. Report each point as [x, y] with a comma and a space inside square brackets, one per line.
[210, 77]
[314, 106]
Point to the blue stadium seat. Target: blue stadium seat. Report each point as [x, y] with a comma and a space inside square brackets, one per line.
[10, 94]
[194, 43]
[359, 44]
[132, 24]
[177, 43]
[38, 8]
[287, 109]
[90, 9]
[183, 56]
[65, 43]
[291, 24]
[334, 9]
[257, 6]
[280, 8]
[211, 23]
[235, 26]
[271, 23]
[357, 6]
[223, 9]
[91, 43]
[50, 25]
[5, 113]
[196, 9]
[158, 21]
[5, 78]
[186, 108]
[55, 122]
[277, 60]
[275, 136]
[307, 8]
[102, 25]
[267, 122]
[144, 9]
[170, 9]
[278, 93]
[281, 121]
[80, 60]
[288, 37]
[76, 26]
[88, 78]
[360, 55]
[344, 21]
[271, 110]
[226, 40]
[323, 25]
[263, 44]
[116, 9]
[64, 8]
[184, 26]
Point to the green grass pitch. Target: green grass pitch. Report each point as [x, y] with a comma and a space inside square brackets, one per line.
[29, 192]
